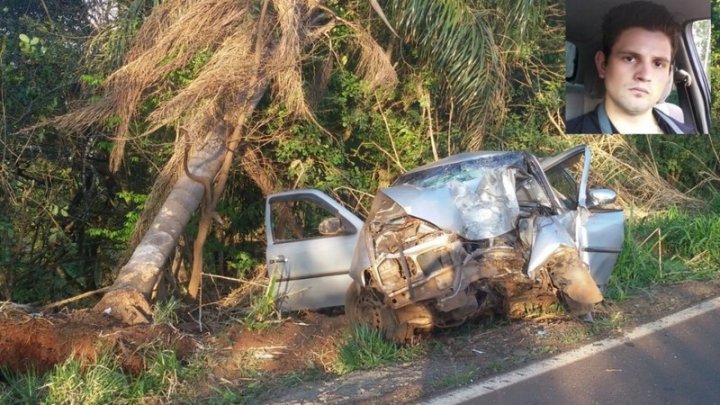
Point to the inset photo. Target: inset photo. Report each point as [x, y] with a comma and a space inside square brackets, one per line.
[637, 67]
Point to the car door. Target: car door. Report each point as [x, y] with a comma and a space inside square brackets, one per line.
[310, 244]
[598, 229]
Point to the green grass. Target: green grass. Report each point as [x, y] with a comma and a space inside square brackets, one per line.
[575, 335]
[102, 381]
[598, 327]
[165, 312]
[254, 391]
[667, 247]
[20, 389]
[80, 382]
[366, 348]
[262, 308]
[602, 324]
[456, 379]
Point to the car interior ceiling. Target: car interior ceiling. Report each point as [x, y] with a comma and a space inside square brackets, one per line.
[584, 89]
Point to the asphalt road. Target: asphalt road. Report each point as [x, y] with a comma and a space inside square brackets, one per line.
[674, 361]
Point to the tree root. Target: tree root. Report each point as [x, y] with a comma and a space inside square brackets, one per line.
[126, 304]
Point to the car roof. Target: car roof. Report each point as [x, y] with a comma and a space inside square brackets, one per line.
[494, 159]
[584, 17]
[549, 162]
[511, 156]
[466, 157]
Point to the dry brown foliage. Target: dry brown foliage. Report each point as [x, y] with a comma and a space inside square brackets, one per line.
[248, 51]
[375, 66]
[170, 37]
[635, 178]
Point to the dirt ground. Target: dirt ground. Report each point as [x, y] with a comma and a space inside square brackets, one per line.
[293, 362]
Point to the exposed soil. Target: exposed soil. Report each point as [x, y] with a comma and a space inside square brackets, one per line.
[34, 341]
[294, 361]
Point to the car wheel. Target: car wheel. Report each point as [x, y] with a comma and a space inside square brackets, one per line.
[364, 305]
[571, 276]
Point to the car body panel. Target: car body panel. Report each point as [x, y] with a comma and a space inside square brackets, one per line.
[311, 273]
[434, 205]
[600, 232]
[600, 239]
[473, 210]
[549, 235]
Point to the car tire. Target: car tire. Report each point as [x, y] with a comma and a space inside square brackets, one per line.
[364, 305]
[576, 287]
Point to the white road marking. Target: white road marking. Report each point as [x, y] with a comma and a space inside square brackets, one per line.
[533, 370]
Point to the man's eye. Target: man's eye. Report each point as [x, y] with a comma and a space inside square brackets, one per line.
[628, 58]
[660, 65]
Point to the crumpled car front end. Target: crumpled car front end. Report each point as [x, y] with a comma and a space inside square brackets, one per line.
[455, 244]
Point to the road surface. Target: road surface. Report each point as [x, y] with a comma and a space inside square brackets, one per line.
[675, 360]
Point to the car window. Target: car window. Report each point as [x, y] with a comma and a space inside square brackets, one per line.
[298, 219]
[564, 179]
[530, 193]
[702, 40]
[570, 61]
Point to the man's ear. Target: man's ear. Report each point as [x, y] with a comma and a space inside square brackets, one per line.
[600, 63]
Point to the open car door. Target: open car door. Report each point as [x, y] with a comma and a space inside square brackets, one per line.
[310, 244]
[588, 214]
[600, 230]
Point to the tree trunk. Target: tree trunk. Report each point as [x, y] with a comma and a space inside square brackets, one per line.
[128, 297]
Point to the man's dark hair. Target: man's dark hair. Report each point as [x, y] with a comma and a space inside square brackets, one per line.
[640, 14]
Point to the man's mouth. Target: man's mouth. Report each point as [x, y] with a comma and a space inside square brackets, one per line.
[639, 90]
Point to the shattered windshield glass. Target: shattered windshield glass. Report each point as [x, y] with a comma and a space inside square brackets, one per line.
[487, 206]
[462, 171]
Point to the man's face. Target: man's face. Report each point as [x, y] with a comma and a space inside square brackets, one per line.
[637, 70]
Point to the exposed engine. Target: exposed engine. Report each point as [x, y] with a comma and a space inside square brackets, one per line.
[436, 278]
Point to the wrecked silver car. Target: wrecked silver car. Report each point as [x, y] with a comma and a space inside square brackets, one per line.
[474, 233]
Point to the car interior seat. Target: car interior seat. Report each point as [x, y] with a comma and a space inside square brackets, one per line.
[680, 77]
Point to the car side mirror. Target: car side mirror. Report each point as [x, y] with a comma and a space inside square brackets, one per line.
[330, 226]
[601, 196]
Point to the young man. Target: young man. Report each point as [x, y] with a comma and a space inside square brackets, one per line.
[635, 64]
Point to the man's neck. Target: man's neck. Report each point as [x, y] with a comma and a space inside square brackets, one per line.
[632, 124]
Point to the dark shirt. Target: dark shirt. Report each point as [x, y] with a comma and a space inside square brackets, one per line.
[589, 123]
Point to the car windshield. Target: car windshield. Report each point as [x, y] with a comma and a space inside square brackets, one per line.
[469, 167]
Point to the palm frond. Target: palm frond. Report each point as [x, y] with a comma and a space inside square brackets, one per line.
[459, 43]
[470, 46]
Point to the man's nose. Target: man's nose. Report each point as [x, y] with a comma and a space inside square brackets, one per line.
[642, 71]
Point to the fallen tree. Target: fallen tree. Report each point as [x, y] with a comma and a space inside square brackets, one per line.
[252, 53]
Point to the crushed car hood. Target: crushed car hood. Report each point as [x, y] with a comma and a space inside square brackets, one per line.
[472, 195]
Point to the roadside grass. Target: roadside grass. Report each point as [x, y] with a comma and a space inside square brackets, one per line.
[548, 312]
[20, 389]
[366, 348]
[253, 391]
[98, 381]
[604, 324]
[86, 382]
[574, 335]
[667, 247]
[262, 307]
[456, 379]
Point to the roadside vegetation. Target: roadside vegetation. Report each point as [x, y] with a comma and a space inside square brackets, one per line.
[667, 247]
[67, 221]
[100, 382]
